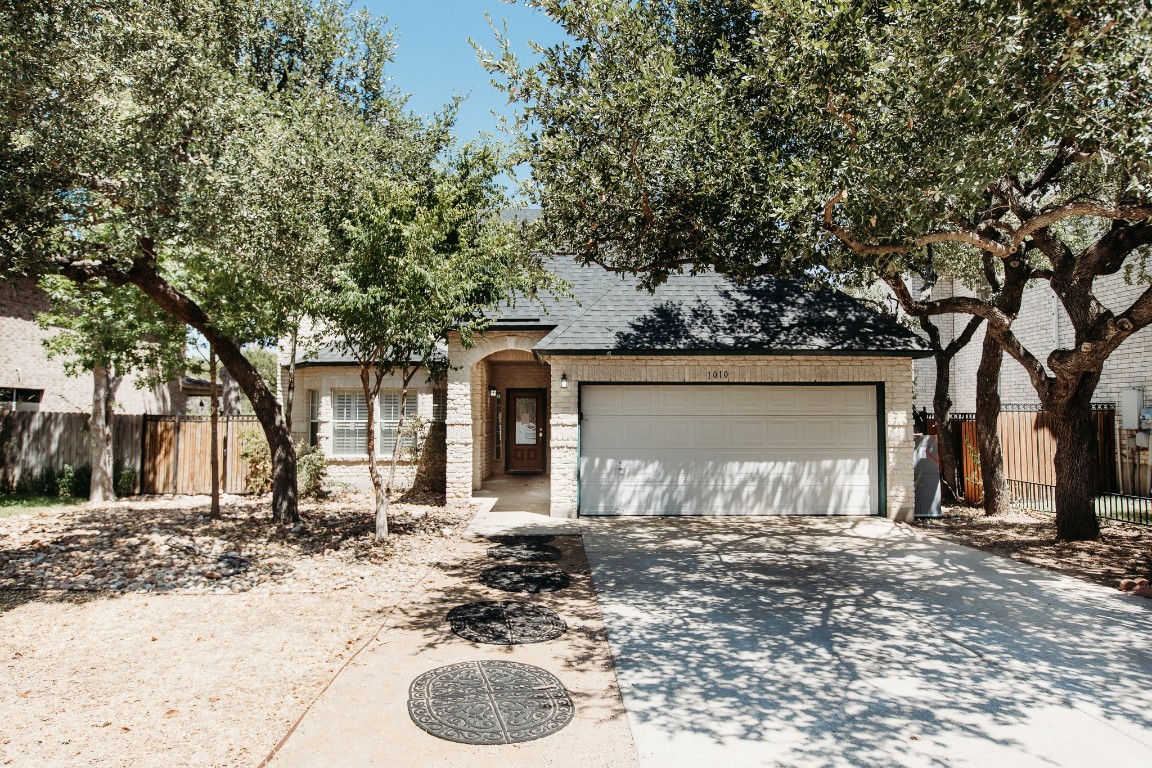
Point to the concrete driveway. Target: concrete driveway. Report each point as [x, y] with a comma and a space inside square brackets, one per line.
[839, 642]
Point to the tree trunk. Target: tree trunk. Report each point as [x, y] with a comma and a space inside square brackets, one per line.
[100, 438]
[214, 510]
[144, 275]
[988, 429]
[290, 384]
[407, 379]
[1076, 446]
[945, 437]
[230, 398]
[378, 488]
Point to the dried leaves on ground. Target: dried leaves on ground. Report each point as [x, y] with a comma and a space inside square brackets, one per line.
[169, 545]
[1123, 551]
[145, 634]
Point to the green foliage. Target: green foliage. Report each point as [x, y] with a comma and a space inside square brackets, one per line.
[255, 453]
[73, 481]
[124, 480]
[670, 135]
[312, 470]
[117, 328]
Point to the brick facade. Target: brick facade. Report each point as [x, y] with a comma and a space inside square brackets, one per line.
[352, 471]
[1042, 326]
[24, 364]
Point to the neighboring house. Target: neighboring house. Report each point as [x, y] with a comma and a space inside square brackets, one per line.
[707, 397]
[1042, 327]
[30, 381]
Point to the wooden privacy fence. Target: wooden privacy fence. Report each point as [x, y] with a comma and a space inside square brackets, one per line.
[177, 454]
[1030, 450]
[32, 442]
[170, 454]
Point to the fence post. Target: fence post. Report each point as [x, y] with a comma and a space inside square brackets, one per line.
[143, 453]
[176, 458]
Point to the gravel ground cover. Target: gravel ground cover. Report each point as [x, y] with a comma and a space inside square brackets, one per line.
[1123, 551]
[146, 634]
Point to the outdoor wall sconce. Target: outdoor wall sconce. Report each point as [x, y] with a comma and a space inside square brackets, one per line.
[492, 392]
[563, 381]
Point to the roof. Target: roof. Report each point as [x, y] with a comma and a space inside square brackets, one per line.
[706, 313]
[331, 355]
[709, 314]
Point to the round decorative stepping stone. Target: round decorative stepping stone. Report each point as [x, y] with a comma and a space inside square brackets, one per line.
[525, 552]
[489, 702]
[525, 578]
[506, 622]
[522, 539]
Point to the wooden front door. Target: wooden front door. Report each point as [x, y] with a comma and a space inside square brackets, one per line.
[525, 435]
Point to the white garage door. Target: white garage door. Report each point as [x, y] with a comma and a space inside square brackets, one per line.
[728, 449]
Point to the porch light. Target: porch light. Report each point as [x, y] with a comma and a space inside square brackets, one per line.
[563, 381]
[492, 392]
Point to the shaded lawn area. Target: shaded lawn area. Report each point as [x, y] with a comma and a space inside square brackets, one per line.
[21, 503]
[1123, 551]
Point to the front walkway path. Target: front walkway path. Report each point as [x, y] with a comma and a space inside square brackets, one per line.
[362, 718]
[836, 642]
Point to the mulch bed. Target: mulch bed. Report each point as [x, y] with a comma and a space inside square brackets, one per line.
[1123, 551]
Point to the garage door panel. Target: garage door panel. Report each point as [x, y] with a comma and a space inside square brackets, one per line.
[673, 400]
[738, 449]
[602, 400]
[780, 497]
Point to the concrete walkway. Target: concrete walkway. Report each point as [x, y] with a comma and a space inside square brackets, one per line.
[833, 642]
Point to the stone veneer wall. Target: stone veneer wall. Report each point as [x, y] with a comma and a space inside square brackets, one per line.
[894, 372]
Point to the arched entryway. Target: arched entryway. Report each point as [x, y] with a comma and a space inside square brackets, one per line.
[498, 420]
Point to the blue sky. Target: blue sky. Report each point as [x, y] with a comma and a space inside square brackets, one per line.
[434, 59]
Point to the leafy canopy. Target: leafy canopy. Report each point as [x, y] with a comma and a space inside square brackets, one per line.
[673, 134]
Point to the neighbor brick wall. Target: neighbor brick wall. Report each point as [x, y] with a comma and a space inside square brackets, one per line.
[24, 364]
[1042, 326]
[895, 373]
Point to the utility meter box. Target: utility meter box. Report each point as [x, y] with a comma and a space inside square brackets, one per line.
[1131, 406]
[1146, 418]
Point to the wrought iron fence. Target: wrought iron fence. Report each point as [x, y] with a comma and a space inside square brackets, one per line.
[1029, 449]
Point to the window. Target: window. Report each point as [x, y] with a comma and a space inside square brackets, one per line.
[16, 399]
[350, 421]
[313, 417]
[439, 404]
[390, 418]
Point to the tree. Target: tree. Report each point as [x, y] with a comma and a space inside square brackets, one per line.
[424, 252]
[111, 333]
[137, 143]
[786, 138]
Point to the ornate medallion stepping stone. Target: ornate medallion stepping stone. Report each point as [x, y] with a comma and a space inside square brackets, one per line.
[507, 622]
[524, 578]
[489, 702]
[522, 539]
[525, 552]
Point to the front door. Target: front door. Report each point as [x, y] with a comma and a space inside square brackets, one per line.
[525, 435]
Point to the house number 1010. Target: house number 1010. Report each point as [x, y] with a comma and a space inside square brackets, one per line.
[718, 375]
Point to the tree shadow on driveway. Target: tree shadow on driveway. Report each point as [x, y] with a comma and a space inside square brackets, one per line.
[856, 643]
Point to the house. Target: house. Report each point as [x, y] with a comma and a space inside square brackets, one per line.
[1043, 326]
[706, 397]
[31, 381]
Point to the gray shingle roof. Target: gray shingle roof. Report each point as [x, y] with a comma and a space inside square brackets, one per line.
[699, 314]
[707, 313]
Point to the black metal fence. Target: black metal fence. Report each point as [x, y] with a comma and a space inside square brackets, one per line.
[1029, 450]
